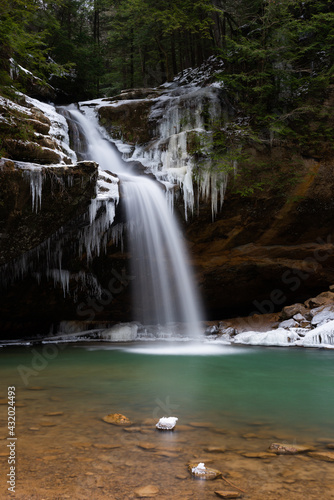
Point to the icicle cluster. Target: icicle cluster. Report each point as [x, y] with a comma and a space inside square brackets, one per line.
[178, 114]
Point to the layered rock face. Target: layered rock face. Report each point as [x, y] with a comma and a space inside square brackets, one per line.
[260, 236]
[266, 251]
[271, 243]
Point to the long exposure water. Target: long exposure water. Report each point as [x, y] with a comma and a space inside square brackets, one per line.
[231, 402]
[237, 399]
[164, 291]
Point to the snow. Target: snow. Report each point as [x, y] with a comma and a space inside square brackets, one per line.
[324, 316]
[167, 423]
[321, 336]
[199, 469]
[123, 332]
[182, 109]
[279, 337]
[58, 130]
[107, 186]
[288, 323]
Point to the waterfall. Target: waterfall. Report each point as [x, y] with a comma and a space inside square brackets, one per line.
[164, 291]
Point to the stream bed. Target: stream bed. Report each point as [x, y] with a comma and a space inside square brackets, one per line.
[231, 403]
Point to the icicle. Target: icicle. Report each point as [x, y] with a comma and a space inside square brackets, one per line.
[60, 276]
[93, 209]
[35, 177]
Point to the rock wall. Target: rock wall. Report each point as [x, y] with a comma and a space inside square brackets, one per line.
[271, 243]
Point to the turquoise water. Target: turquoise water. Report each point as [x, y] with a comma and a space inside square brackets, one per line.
[289, 392]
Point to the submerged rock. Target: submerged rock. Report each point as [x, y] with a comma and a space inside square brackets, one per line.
[260, 454]
[228, 494]
[326, 456]
[214, 449]
[117, 419]
[288, 449]
[147, 491]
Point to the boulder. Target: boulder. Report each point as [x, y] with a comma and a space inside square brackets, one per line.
[291, 311]
[319, 300]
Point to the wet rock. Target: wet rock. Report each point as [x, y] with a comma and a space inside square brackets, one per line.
[167, 454]
[147, 491]
[183, 428]
[288, 449]
[105, 446]
[85, 444]
[48, 458]
[228, 494]
[199, 471]
[149, 421]
[327, 456]
[128, 121]
[146, 446]
[117, 419]
[132, 429]
[290, 311]
[31, 152]
[201, 424]
[214, 449]
[260, 454]
[249, 435]
[179, 476]
[319, 300]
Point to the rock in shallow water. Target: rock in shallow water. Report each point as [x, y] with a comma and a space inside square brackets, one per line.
[327, 456]
[147, 491]
[117, 419]
[199, 471]
[288, 449]
[227, 494]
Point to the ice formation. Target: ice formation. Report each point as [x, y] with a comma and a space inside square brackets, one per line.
[180, 112]
[91, 239]
[321, 336]
[199, 469]
[167, 423]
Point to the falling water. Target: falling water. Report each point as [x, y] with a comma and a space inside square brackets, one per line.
[164, 292]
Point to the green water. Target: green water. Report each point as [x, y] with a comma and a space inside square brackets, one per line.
[289, 391]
